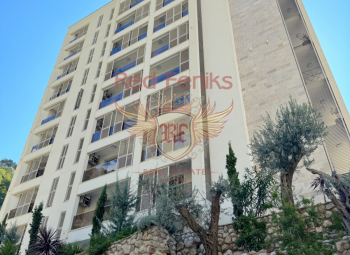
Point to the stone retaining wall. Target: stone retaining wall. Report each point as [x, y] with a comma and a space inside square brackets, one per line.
[157, 241]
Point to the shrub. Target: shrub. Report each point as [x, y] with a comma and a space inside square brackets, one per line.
[293, 225]
[124, 233]
[70, 249]
[10, 249]
[99, 244]
[146, 222]
[251, 232]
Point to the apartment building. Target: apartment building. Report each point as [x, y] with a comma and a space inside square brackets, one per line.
[261, 51]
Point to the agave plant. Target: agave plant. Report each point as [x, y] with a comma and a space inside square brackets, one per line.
[48, 243]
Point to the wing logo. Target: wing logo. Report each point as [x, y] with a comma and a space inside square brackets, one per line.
[172, 129]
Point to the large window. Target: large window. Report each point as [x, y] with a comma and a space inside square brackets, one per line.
[86, 123]
[79, 97]
[70, 186]
[100, 21]
[86, 73]
[80, 146]
[63, 156]
[71, 126]
[60, 224]
[52, 192]
[91, 54]
[95, 38]
[25, 203]
[36, 168]
[177, 176]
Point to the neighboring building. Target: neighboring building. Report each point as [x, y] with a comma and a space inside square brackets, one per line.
[267, 49]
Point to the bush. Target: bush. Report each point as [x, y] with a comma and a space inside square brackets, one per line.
[146, 222]
[293, 225]
[70, 249]
[10, 249]
[251, 232]
[124, 233]
[99, 244]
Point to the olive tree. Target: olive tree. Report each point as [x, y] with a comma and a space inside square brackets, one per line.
[281, 144]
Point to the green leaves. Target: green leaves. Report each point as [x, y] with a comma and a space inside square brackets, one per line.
[35, 225]
[99, 212]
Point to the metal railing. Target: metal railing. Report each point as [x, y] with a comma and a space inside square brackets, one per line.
[100, 170]
[125, 26]
[70, 55]
[59, 94]
[165, 76]
[167, 2]
[85, 219]
[48, 119]
[144, 35]
[36, 147]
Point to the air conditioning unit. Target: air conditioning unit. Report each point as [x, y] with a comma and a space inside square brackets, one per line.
[94, 160]
[85, 201]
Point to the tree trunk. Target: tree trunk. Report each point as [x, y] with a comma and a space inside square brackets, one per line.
[286, 188]
[210, 239]
[342, 204]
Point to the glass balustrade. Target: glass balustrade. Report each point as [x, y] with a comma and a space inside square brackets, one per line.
[85, 219]
[100, 170]
[160, 50]
[73, 40]
[116, 50]
[168, 2]
[48, 119]
[165, 76]
[144, 35]
[71, 55]
[136, 3]
[125, 26]
[159, 27]
[184, 13]
[124, 68]
[111, 100]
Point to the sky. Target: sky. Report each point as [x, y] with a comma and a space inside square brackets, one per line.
[32, 33]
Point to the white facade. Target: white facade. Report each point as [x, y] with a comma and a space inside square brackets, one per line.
[72, 102]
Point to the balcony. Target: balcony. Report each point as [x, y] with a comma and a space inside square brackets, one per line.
[68, 68]
[125, 24]
[54, 112]
[116, 50]
[116, 156]
[25, 203]
[48, 119]
[125, 63]
[135, 2]
[35, 168]
[131, 85]
[168, 2]
[79, 33]
[59, 93]
[170, 16]
[37, 147]
[85, 219]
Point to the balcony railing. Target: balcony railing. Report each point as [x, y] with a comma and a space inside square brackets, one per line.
[116, 50]
[111, 100]
[33, 175]
[144, 35]
[125, 125]
[165, 76]
[36, 147]
[100, 170]
[58, 94]
[124, 68]
[136, 3]
[48, 119]
[73, 40]
[160, 50]
[125, 26]
[58, 77]
[71, 55]
[159, 27]
[184, 13]
[167, 2]
[85, 219]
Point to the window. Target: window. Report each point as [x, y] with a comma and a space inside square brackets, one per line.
[107, 31]
[63, 156]
[100, 21]
[77, 157]
[70, 186]
[111, 15]
[95, 38]
[47, 137]
[103, 49]
[71, 126]
[91, 54]
[52, 191]
[44, 222]
[25, 203]
[98, 70]
[36, 168]
[87, 119]
[77, 103]
[86, 73]
[93, 93]
[61, 89]
[20, 232]
[60, 224]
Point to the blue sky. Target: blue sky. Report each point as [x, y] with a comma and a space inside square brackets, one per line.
[32, 33]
